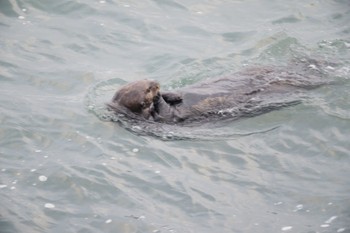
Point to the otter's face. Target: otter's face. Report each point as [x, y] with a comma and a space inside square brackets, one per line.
[138, 96]
[151, 93]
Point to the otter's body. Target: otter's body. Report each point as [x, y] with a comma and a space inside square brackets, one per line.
[255, 90]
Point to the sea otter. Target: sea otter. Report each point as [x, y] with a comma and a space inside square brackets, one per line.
[246, 93]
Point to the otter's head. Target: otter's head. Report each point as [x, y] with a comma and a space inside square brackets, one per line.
[137, 96]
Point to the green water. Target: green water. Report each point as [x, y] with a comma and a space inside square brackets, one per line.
[64, 168]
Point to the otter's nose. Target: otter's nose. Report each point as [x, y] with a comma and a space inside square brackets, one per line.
[156, 97]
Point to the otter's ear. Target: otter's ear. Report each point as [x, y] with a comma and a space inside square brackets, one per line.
[172, 98]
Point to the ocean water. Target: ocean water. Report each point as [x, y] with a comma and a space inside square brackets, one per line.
[64, 167]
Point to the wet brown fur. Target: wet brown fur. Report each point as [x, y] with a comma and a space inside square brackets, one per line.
[136, 96]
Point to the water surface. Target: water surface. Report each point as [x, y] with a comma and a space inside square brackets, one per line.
[64, 168]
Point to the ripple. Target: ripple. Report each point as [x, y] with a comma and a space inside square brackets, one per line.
[64, 8]
[337, 105]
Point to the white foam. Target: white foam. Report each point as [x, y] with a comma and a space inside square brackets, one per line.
[49, 205]
[42, 178]
[312, 66]
[3, 186]
[135, 150]
[286, 228]
[331, 219]
[108, 221]
[136, 127]
[298, 207]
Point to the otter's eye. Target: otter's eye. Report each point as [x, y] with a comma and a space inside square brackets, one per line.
[148, 90]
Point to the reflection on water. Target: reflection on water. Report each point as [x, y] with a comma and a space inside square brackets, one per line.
[65, 170]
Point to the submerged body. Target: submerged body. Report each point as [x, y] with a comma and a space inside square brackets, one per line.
[247, 93]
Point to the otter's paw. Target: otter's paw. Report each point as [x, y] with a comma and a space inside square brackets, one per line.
[172, 98]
